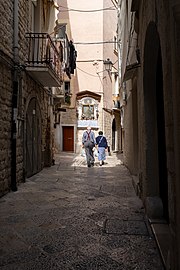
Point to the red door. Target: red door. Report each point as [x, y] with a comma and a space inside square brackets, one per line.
[68, 139]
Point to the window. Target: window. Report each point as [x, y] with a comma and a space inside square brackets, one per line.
[67, 94]
[67, 87]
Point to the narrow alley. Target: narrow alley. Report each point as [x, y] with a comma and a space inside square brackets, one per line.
[71, 217]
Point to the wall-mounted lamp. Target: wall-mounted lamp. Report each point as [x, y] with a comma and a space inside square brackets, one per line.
[108, 65]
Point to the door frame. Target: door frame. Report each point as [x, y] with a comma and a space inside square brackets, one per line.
[61, 135]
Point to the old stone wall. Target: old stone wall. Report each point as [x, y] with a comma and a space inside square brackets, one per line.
[118, 143]
[30, 90]
[151, 117]
[69, 117]
[27, 88]
[108, 127]
[128, 146]
[158, 12]
[6, 87]
[153, 9]
[5, 126]
[174, 166]
[6, 27]
[131, 128]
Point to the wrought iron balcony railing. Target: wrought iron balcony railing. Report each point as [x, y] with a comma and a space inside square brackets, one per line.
[44, 59]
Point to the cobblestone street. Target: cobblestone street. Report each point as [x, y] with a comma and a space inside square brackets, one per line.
[71, 217]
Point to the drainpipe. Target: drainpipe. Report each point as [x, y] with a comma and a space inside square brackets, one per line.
[14, 98]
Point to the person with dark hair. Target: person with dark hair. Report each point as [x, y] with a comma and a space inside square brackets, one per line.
[88, 143]
[101, 142]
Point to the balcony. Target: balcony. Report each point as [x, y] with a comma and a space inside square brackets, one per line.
[44, 60]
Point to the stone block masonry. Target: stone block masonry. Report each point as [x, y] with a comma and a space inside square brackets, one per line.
[5, 128]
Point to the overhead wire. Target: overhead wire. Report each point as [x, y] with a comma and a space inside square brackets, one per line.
[94, 43]
[93, 60]
[87, 72]
[80, 10]
[66, 9]
[90, 60]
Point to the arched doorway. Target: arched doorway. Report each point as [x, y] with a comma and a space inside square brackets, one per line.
[156, 161]
[33, 138]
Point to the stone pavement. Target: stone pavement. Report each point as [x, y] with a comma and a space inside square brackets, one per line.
[70, 217]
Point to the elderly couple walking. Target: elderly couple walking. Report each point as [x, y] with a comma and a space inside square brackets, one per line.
[89, 142]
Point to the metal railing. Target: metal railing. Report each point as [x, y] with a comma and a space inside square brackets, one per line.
[43, 52]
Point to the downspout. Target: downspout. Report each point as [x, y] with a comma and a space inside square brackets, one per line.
[14, 97]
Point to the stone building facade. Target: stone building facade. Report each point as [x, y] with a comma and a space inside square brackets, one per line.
[149, 65]
[26, 136]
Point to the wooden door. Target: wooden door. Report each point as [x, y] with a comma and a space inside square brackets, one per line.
[68, 139]
[33, 138]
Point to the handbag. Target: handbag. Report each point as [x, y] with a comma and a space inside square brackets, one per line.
[83, 154]
[95, 152]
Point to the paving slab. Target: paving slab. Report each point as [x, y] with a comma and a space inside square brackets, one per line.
[71, 217]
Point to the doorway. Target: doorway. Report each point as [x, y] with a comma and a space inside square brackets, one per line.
[156, 160]
[68, 138]
[113, 134]
[33, 138]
